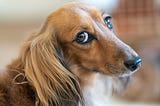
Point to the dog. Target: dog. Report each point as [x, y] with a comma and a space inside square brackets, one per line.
[74, 59]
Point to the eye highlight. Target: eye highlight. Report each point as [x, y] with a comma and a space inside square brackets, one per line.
[83, 37]
[108, 22]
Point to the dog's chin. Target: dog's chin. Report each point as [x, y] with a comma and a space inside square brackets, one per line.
[126, 74]
[120, 74]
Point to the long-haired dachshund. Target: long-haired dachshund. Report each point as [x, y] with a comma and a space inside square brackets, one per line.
[73, 60]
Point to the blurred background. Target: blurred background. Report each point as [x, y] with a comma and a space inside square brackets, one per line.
[136, 22]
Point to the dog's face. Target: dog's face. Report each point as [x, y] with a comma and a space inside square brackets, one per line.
[88, 41]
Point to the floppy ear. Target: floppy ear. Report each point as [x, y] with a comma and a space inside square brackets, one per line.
[53, 83]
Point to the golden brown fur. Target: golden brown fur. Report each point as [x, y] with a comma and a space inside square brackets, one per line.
[52, 69]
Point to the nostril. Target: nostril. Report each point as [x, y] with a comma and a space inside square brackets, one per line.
[133, 64]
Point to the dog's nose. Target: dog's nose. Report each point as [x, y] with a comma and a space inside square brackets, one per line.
[133, 64]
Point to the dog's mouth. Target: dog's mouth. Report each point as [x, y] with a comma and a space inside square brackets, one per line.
[114, 71]
[118, 71]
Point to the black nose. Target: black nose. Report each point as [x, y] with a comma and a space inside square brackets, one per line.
[133, 64]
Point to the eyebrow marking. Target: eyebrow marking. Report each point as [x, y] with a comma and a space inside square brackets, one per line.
[103, 12]
[84, 26]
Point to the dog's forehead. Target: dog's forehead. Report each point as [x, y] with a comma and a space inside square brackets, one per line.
[74, 13]
[75, 8]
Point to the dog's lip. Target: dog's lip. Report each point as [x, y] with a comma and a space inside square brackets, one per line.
[121, 72]
[114, 71]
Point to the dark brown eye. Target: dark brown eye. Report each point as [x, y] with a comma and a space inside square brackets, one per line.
[83, 37]
[108, 22]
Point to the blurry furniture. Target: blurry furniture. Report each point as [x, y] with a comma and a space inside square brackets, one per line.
[137, 19]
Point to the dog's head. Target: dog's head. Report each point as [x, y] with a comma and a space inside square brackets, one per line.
[75, 40]
[86, 36]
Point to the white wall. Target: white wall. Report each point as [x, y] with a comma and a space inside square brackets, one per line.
[27, 9]
[18, 10]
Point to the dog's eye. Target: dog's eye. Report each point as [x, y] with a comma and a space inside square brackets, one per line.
[83, 37]
[108, 22]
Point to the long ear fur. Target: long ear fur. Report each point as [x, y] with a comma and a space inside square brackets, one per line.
[53, 83]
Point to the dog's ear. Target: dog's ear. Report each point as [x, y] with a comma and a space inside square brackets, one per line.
[52, 81]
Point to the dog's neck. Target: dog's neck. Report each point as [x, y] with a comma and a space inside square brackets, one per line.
[98, 93]
[96, 87]
[99, 88]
